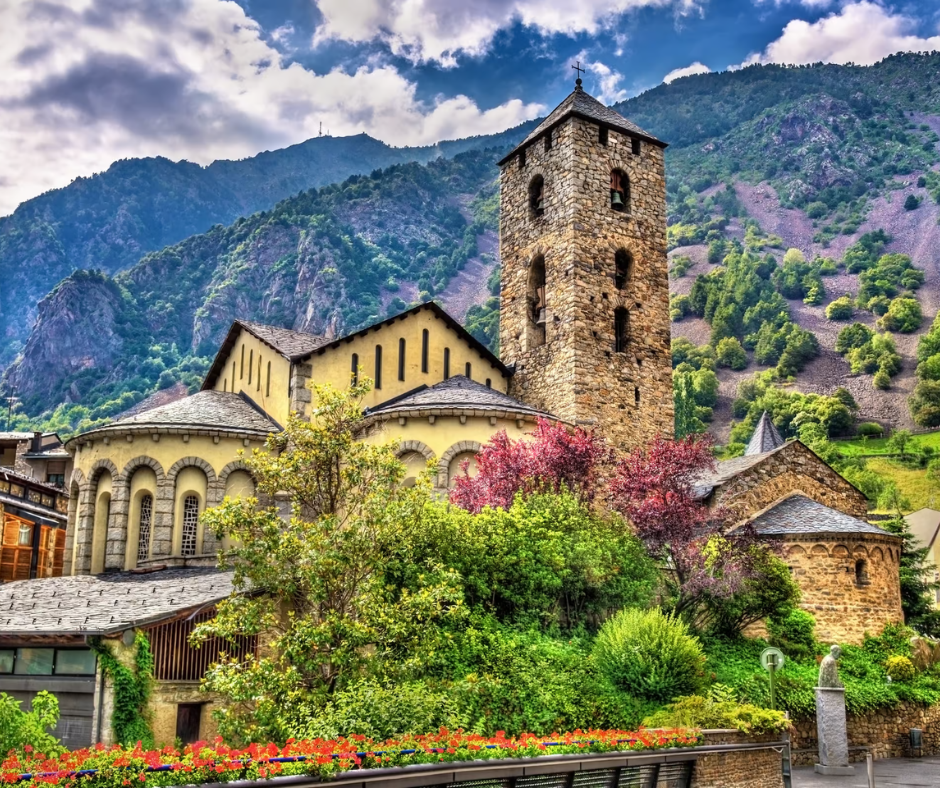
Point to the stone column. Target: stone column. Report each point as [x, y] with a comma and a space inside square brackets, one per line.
[831, 729]
[116, 547]
[162, 539]
[84, 532]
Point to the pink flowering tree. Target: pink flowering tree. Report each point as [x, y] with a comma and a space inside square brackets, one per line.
[550, 459]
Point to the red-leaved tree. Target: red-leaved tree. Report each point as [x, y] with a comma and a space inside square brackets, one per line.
[549, 459]
[655, 489]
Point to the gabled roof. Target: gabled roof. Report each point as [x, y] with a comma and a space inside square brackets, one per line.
[456, 393]
[292, 345]
[208, 410]
[434, 308]
[925, 525]
[583, 105]
[765, 437]
[106, 604]
[797, 514]
[727, 470]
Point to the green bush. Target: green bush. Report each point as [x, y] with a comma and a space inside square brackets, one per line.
[795, 633]
[903, 315]
[19, 729]
[695, 711]
[730, 353]
[881, 380]
[870, 429]
[900, 668]
[840, 309]
[911, 203]
[650, 655]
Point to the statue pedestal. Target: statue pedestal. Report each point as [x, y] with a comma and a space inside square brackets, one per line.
[830, 727]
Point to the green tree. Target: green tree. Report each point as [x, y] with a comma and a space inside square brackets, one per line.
[19, 729]
[686, 421]
[924, 403]
[899, 442]
[311, 585]
[911, 203]
[918, 588]
[840, 309]
[731, 354]
[903, 316]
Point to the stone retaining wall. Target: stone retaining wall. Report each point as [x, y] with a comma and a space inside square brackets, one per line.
[883, 733]
[742, 769]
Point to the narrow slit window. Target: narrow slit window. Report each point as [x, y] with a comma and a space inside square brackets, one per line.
[355, 369]
[267, 382]
[378, 366]
[233, 377]
[467, 370]
[636, 394]
[621, 329]
[522, 158]
[537, 196]
[190, 525]
[401, 359]
[143, 532]
[548, 141]
[260, 362]
[241, 368]
[623, 268]
[224, 384]
[489, 383]
[425, 346]
[602, 135]
[446, 363]
[635, 145]
[251, 364]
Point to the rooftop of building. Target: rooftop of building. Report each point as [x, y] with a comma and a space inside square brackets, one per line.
[106, 604]
[798, 515]
[457, 393]
[765, 437]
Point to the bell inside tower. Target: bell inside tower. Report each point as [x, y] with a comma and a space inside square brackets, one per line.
[537, 305]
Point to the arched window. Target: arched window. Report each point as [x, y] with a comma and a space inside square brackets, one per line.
[537, 303]
[467, 370]
[537, 195]
[861, 572]
[143, 533]
[401, 359]
[378, 366]
[619, 191]
[621, 329]
[446, 363]
[489, 383]
[623, 268]
[425, 345]
[355, 369]
[190, 525]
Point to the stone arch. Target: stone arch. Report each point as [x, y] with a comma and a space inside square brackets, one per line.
[139, 462]
[876, 554]
[819, 551]
[217, 488]
[860, 551]
[76, 481]
[187, 462]
[443, 464]
[840, 551]
[85, 514]
[536, 195]
[134, 507]
[415, 446]
[796, 551]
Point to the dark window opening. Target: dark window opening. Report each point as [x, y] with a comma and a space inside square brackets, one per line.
[267, 382]
[401, 359]
[537, 303]
[861, 573]
[619, 190]
[466, 371]
[636, 394]
[522, 158]
[489, 383]
[188, 717]
[355, 369]
[602, 135]
[621, 329]
[446, 363]
[251, 364]
[635, 144]
[548, 141]
[537, 195]
[378, 366]
[241, 368]
[623, 268]
[425, 341]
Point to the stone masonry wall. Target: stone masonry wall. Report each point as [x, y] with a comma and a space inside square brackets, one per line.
[743, 769]
[167, 695]
[576, 374]
[792, 468]
[883, 733]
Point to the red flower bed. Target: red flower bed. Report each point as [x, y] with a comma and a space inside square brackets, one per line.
[203, 763]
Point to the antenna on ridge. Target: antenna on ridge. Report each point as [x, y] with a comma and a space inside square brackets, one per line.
[321, 129]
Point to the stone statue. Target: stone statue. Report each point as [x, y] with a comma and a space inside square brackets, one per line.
[828, 669]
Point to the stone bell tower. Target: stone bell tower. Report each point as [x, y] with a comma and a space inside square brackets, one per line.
[584, 314]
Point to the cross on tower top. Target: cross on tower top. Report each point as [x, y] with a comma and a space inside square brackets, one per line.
[577, 67]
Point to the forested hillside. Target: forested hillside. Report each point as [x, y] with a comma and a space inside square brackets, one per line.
[802, 201]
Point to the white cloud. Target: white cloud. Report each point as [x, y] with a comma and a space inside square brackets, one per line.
[687, 71]
[439, 30]
[862, 33]
[86, 82]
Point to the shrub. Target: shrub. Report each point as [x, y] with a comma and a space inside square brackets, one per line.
[870, 429]
[911, 203]
[19, 729]
[816, 210]
[899, 668]
[694, 711]
[650, 654]
[882, 380]
[730, 353]
[795, 633]
[840, 309]
[903, 315]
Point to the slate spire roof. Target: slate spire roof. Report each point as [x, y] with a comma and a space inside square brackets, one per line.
[797, 514]
[765, 438]
[583, 105]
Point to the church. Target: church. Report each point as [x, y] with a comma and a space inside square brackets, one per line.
[585, 339]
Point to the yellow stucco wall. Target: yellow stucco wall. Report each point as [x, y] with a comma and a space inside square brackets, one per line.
[240, 373]
[334, 364]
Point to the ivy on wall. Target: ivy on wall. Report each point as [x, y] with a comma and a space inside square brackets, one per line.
[130, 719]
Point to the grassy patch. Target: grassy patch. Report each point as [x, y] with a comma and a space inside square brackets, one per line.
[914, 483]
[875, 447]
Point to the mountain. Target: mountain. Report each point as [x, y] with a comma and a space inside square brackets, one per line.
[822, 159]
[107, 222]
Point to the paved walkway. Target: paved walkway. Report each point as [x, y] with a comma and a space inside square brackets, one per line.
[889, 773]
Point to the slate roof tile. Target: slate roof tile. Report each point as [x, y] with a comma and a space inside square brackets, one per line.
[106, 604]
[798, 514]
[457, 392]
[765, 437]
[286, 341]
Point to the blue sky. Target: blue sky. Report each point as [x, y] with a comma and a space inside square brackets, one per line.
[86, 82]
